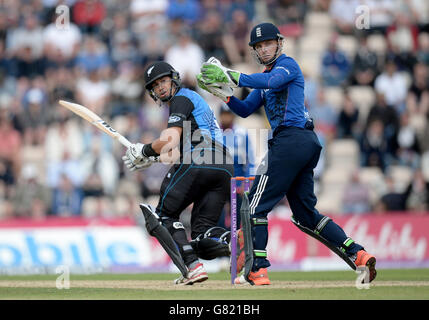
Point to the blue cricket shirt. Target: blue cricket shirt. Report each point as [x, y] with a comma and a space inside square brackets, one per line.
[280, 89]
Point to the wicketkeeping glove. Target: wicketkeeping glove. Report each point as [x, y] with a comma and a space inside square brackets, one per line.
[213, 72]
[223, 92]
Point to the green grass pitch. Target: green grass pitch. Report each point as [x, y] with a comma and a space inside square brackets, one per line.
[396, 284]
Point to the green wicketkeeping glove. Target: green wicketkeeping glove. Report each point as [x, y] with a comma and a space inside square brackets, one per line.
[213, 72]
[223, 92]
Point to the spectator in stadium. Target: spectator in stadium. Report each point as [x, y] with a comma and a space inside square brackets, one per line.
[31, 198]
[418, 193]
[348, 119]
[418, 93]
[36, 115]
[6, 67]
[154, 42]
[246, 6]
[235, 40]
[289, 15]
[64, 148]
[147, 12]
[382, 15]
[10, 144]
[335, 65]
[365, 65]
[122, 42]
[212, 5]
[402, 42]
[126, 89]
[373, 146]
[414, 197]
[186, 10]
[60, 85]
[187, 56]
[98, 159]
[392, 199]
[343, 14]
[417, 11]
[61, 45]
[64, 135]
[312, 85]
[25, 45]
[29, 34]
[402, 35]
[392, 85]
[388, 116]
[133, 125]
[93, 91]
[27, 66]
[407, 148]
[210, 35]
[66, 198]
[324, 115]
[93, 56]
[424, 140]
[88, 15]
[356, 196]
[4, 25]
[423, 48]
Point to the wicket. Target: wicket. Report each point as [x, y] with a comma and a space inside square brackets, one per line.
[234, 221]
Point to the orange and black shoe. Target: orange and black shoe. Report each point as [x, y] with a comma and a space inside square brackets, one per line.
[241, 257]
[257, 278]
[364, 259]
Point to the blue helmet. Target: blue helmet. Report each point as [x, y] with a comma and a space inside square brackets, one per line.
[264, 31]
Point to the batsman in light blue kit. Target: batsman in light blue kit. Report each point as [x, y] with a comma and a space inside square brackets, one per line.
[293, 153]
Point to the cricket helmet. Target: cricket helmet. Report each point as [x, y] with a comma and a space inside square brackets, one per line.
[156, 71]
[264, 31]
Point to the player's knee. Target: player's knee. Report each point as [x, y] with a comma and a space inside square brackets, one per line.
[212, 244]
[209, 249]
[173, 225]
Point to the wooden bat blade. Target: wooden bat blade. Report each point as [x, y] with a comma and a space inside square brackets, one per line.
[95, 120]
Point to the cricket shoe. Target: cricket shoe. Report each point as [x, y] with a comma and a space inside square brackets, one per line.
[364, 259]
[258, 278]
[197, 274]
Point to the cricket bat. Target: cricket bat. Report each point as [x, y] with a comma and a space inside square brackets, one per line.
[95, 120]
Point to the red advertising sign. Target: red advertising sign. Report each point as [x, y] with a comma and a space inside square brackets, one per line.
[398, 238]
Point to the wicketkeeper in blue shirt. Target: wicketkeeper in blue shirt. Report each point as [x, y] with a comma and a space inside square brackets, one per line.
[293, 153]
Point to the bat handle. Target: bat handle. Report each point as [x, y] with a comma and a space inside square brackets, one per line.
[124, 141]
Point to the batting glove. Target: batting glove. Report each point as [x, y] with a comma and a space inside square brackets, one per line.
[135, 167]
[135, 160]
[213, 72]
[223, 92]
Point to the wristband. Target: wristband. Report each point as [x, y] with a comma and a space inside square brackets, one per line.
[148, 151]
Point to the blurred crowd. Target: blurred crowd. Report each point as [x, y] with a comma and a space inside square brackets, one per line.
[93, 52]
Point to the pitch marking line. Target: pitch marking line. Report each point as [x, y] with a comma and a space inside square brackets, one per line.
[208, 285]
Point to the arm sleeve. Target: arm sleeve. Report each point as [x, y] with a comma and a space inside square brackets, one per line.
[248, 106]
[180, 110]
[275, 79]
